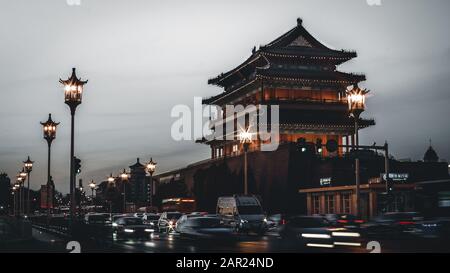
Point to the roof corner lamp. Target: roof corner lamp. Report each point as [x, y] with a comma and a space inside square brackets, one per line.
[73, 91]
[356, 98]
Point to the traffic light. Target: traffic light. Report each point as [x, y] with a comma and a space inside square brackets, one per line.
[77, 163]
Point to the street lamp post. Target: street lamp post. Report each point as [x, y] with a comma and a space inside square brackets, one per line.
[49, 131]
[246, 139]
[124, 176]
[19, 199]
[28, 168]
[110, 180]
[14, 189]
[356, 98]
[23, 177]
[73, 91]
[151, 167]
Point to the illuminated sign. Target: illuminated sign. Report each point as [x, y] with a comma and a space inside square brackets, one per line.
[325, 181]
[397, 177]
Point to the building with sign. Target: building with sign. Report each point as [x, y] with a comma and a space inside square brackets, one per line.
[413, 187]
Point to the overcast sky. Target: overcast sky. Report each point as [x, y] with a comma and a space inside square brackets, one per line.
[143, 57]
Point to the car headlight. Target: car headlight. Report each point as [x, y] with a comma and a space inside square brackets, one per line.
[114, 224]
[243, 221]
[149, 230]
[345, 234]
[128, 230]
[265, 220]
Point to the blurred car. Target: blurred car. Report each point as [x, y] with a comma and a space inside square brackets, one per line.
[167, 221]
[344, 220]
[151, 219]
[184, 218]
[139, 214]
[115, 217]
[316, 231]
[392, 225]
[275, 221]
[97, 219]
[204, 228]
[309, 231]
[243, 212]
[131, 227]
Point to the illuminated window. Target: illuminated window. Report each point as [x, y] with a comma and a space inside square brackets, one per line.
[219, 152]
[346, 202]
[316, 204]
[329, 204]
[235, 148]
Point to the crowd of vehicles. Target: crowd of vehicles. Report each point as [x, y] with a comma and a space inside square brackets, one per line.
[238, 216]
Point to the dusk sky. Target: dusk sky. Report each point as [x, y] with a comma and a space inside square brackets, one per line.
[143, 57]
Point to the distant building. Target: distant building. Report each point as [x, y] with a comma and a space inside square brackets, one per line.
[139, 184]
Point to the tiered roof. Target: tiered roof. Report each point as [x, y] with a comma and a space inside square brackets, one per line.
[285, 59]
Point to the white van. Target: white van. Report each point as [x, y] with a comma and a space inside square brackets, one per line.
[245, 213]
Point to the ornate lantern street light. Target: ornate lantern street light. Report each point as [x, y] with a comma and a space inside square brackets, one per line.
[111, 180]
[150, 167]
[245, 138]
[23, 176]
[19, 183]
[49, 131]
[73, 91]
[14, 189]
[356, 98]
[28, 168]
[124, 176]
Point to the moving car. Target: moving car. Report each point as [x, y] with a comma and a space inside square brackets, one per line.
[131, 227]
[275, 221]
[115, 217]
[97, 219]
[244, 213]
[309, 231]
[151, 219]
[202, 227]
[167, 220]
[315, 231]
[343, 220]
[392, 225]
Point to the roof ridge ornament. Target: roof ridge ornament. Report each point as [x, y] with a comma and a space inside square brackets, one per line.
[299, 21]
